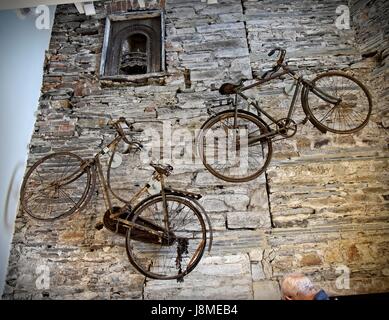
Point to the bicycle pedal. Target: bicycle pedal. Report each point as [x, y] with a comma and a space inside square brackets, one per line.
[99, 225]
[305, 120]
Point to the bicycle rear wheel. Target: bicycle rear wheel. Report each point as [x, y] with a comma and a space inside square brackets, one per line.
[178, 251]
[55, 186]
[348, 116]
[226, 150]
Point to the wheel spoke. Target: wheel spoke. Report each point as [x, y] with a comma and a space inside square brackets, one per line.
[353, 111]
[328, 113]
[169, 261]
[228, 155]
[42, 195]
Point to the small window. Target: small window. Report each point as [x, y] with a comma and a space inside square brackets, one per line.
[133, 45]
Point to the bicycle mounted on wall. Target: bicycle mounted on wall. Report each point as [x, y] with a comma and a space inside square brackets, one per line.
[333, 101]
[165, 232]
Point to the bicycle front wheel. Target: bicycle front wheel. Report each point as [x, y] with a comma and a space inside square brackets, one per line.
[229, 150]
[350, 115]
[55, 186]
[179, 248]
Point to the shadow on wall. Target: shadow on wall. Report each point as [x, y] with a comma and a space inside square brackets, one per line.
[12, 197]
[24, 37]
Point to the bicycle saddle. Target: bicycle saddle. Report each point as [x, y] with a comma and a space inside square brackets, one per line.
[228, 88]
[162, 169]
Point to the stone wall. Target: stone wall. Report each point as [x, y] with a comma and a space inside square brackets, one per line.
[321, 206]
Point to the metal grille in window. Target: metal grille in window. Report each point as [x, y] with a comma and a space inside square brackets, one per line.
[133, 44]
[134, 55]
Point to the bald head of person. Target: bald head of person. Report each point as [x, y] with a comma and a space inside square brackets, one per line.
[296, 286]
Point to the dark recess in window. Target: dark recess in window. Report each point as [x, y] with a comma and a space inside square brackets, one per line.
[133, 45]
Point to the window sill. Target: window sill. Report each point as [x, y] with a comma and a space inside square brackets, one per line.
[139, 78]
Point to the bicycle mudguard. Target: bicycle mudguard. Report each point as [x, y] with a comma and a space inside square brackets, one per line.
[258, 118]
[194, 198]
[201, 131]
[304, 100]
[92, 188]
[238, 111]
[202, 210]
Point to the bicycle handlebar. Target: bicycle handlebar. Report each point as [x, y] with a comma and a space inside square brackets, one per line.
[279, 63]
[117, 125]
[273, 51]
[120, 120]
[281, 56]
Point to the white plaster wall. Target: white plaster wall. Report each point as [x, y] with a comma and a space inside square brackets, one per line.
[22, 49]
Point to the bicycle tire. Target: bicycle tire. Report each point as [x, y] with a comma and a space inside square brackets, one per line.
[39, 187]
[259, 125]
[146, 256]
[343, 118]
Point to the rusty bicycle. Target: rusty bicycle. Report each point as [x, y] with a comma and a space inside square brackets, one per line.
[165, 231]
[235, 145]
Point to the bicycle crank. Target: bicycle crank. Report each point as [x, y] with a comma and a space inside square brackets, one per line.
[113, 224]
[286, 127]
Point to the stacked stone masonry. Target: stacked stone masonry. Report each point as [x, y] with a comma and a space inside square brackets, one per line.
[321, 206]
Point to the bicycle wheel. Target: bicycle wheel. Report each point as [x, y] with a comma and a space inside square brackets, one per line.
[55, 186]
[348, 116]
[178, 251]
[229, 153]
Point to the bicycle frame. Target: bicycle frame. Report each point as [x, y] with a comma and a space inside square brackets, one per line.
[300, 82]
[107, 197]
[95, 165]
[149, 220]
